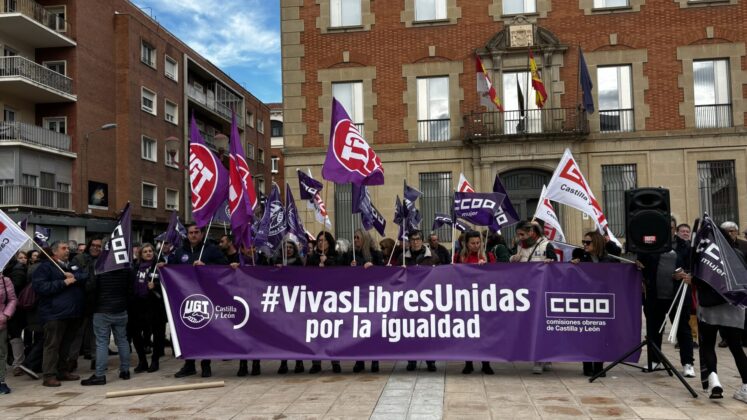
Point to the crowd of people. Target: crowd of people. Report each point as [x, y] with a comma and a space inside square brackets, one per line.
[54, 308]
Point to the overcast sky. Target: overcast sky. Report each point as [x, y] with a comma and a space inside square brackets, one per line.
[242, 37]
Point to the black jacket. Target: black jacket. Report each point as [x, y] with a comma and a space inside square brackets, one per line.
[188, 254]
[313, 259]
[377, 258]
[112, 291]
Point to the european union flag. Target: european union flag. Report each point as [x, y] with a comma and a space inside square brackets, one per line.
[586, 84]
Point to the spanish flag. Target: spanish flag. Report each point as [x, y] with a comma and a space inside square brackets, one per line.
[539, 88]
[485, 87]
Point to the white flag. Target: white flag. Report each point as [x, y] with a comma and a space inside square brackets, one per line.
[12, 238]
[568, 186]
[563, 250]
[546, 213]
[320, 209]
[464, 185]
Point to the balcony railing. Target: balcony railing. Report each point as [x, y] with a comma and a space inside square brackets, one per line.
[434, 130]
[360, 126]
[713, 116]
[213, 104]
[16, 66]
[34, 135]
[23, 195]
[616, 120]
[36, 12]
[545, 122]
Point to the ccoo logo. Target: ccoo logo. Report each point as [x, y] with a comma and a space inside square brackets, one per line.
[203, 170]
[352, 151]
[196, 311]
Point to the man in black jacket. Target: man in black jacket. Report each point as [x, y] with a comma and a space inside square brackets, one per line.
[193, 253]
[111, 291]
[60, 306]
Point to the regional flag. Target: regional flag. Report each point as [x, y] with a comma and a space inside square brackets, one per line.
[464, 185]
[485, 88]
[540, 94]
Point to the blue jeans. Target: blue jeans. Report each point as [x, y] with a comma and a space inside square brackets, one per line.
[103, 326]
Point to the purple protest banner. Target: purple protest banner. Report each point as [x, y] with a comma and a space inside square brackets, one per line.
[504, 312]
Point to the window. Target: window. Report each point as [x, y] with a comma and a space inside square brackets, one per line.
[259, 185]
[345, 220]
[433, 109]
[712, 100]
[171, 156]
[616, 179]
[345, 13]
[261, 126]
[57, 66]
[430, 10]
[437, 197]
[276, 128]
[250, 119]
[148, 103]
[350, 96]
[29, 180]
[56, 124]
[260, 155]
[47, 180]
[148, 54]
[615, 99]
[717, 185]
[63, 187]
[515, 7]
[56, 18]
[149, 149]
[171, 111]
[172, 199]
[149, 195]
[9, 114]
[605, 4]
[171, 68]
[275, 164]
[250, 151]
[521, 114]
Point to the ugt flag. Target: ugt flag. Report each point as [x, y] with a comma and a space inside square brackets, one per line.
[477, 208]
[207, 177]
[242, 199]
[506, 215]
[717, 264]
[117, 251]
[12, 239]
[41, 235]
[349, 157]
[272, 226]
[176, 233]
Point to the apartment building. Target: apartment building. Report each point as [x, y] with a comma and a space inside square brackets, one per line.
[96, 100]
[668, 87]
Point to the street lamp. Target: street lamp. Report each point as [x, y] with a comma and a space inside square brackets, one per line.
[104, 127]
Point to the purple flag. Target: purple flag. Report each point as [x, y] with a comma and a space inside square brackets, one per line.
[207, 176]
[295, 226]
[586, 84]
[412, 214]
[370, 216]
[176, 233]
[272, 226]
[41, 235]
[117, 251]
[239, 197]
[506, 215]
[309, 186]
[477, 208]
[461, 226]
[349, 157]
[717, 264]
[23, 223]
[441, 219]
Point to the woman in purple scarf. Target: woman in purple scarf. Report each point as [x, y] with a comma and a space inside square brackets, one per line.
[147, 314]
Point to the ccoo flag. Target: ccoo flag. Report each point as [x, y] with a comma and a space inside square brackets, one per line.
[12, 239]
[349, 157]
[272, 226]
[207, 177]
[117, 252]
[506, 215]
[41, 235]
[478, 208]
[717, 264]
[295, 226]
[370, 216]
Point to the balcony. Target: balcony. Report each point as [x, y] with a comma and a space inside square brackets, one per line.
[27, 196]
[713, 116]
[26, 79]
[616, 120]
[536, 123]
[209, 102]
[434, 130]
[31, 22]
[34, 136]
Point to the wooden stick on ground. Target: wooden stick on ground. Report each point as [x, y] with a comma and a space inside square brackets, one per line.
[159, 389]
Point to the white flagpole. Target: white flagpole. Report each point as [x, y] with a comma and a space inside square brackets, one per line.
[454, 239]
[666, 318]
[676, 321]
[204, 240]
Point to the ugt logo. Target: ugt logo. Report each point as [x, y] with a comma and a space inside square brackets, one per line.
[203, 170]
[240, 168]
[196, 311]
[352, 151]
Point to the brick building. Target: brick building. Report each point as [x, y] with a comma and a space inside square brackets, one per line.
[277, 144]
[71, 70]
[669, 88]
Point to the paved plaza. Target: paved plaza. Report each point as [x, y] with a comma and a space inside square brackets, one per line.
[513, 392]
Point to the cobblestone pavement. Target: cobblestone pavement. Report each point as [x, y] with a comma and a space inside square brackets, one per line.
[513, 392]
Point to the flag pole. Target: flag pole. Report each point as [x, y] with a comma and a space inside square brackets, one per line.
[44, 252]
[324, 222]
[453, 240]
[155, 266]
[526, 108]
[204, 240]
[352, 221]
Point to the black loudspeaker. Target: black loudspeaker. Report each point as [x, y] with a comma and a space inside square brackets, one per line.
[648, 220]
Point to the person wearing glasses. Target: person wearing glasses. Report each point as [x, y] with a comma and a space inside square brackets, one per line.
[595, 251]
